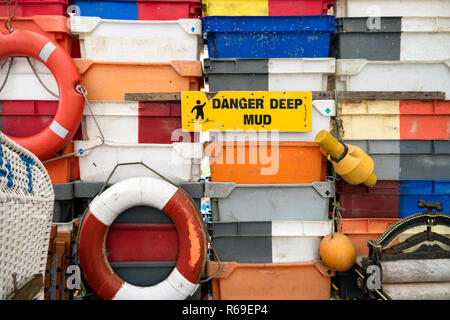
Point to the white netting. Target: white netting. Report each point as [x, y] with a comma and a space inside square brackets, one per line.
[26, 213]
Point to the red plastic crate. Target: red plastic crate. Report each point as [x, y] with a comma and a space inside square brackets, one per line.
[24, 118]
[169, 9]
[53, 27]
[422, 119]
[379, 201]
[142, 242]
[159, 120]
[299, 7]
[29, 8]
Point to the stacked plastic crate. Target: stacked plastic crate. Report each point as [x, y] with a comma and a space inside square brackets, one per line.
[159, 53]
[27, 107]
[267, 228]
[394, 46]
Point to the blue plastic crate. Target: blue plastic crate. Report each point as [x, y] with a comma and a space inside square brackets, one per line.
[429, 190]
[123, 9]
[268, 36]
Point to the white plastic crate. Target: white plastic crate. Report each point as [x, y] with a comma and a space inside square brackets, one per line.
[392, 8]
[118, 121]
[22, 83]
[137, 41]
[322, 111]
[126, 122]
[178, 162]
[307, 74]
[298, 241]
[366, 75]
[425, 38]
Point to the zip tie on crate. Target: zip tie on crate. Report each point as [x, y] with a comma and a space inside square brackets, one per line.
[76, 258]
[75, 153]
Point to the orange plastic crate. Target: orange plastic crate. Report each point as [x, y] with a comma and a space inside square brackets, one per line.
[361, 230]
[111, 80]
[266, 162]
[270, 281]
[53, 27]
[63, 170]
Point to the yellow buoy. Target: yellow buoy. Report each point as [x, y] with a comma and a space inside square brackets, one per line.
[337, 252]
[353, 164]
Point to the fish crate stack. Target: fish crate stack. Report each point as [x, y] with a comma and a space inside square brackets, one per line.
[26, 106]
[400, 46]
[269, 192]
[130, 47]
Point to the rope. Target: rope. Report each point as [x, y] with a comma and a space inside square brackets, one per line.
[79, 88]
[83, 92]
[39, 79]
[8, 25]
[35, 74]
[7, 72]
[339, 133]
[218, 260]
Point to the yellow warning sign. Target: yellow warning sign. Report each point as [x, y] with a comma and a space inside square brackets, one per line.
[243, 111]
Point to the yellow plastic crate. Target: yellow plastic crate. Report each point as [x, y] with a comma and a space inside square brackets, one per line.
[235, 7]
[369, 119]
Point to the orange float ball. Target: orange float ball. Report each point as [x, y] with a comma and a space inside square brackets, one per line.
[338, 252]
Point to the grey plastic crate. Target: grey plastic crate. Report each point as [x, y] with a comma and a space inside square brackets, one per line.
[64, 209]
[269, 202]
[371, 38]
[63, 191]
[139, 214]
[408, 159]
[89, 190]
[245, 242]
[237, 74]
[268, 241]
[144, 274]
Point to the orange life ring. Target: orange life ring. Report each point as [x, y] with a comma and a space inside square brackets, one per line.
[173, 201]
[48, 142]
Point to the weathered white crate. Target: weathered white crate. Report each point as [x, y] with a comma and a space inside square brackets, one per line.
[137, 40]
[392, 8]
[366, 75]
[178, 162]
[22, 83]
[300, 74]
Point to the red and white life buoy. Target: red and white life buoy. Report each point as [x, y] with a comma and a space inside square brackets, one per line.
[52, 139]
[174, 202]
